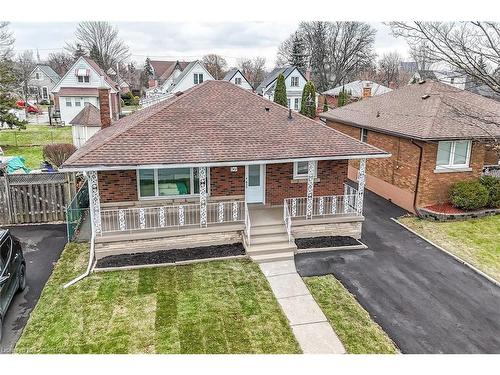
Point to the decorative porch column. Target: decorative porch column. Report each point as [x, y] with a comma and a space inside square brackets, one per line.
[95, 201]
[202, 176]
[361, 186]
[310, 189]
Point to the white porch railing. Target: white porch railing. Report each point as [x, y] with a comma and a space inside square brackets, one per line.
[153, 99]
[248, 225]
[170, 216]
[287, 218]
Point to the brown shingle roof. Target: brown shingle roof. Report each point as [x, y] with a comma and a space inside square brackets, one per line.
[427, 111]
[214, 122]
[88, 116]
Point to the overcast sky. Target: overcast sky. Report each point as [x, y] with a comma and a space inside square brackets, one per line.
[186, 40]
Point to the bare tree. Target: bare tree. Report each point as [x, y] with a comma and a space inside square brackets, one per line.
[336, 51]
[25, 63]
[389, 66]
[102, 39]
[253, 69]
[472, 48]
[60, 62]
[215, 64]
[420, 54]
[6, 40]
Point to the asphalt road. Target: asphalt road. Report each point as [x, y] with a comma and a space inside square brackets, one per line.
[426, 301]
[42, 246]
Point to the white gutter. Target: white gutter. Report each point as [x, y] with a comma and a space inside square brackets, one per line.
[89, 265]
[220, 164]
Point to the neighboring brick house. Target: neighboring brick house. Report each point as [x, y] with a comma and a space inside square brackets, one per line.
[80, 85]
[41, 82]
[357, 90]
[436, 134]
[206, 160]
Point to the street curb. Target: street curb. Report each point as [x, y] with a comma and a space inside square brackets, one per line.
[489, 278]
[361, 246]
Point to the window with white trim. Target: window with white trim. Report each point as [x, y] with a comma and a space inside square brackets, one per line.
[68, 102]
[364, 135]
[453, 154]
[296, 104]
[83, 79]
[78, 102]
[237, 81]
[289, 103]
[197, 78]
[300, 169]
[37, 75]
[168, 182]
[294, 81]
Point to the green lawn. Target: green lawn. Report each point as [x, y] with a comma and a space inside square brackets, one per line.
[29, 142]
[476, 241]
[213, 307]
[354, 326]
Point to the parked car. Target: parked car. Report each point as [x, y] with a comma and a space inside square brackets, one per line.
[30, 107]
[12, 271]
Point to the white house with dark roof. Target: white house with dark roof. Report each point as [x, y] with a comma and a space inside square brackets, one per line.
[295, 81]
[42, 81]
[235, 76]
[80, 85]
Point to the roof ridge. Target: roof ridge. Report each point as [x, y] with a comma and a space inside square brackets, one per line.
[152, 111]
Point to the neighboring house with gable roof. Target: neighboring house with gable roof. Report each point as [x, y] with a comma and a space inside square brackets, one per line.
[295, 81]
[41, 82]
[437, 135]
[85, 124]
[357, 90]
[235, 76]
[217, 164]
[80, 85]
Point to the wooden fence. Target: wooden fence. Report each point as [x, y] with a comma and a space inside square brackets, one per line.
[35, 198]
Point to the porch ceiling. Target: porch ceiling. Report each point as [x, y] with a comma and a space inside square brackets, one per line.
[215, 123]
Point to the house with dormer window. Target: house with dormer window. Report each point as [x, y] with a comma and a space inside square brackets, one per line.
[41, 82]
[80, 85]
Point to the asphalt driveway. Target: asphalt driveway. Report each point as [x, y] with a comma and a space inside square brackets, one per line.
[42, 246]
[426, 301]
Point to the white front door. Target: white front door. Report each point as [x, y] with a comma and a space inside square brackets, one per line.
[254, 189]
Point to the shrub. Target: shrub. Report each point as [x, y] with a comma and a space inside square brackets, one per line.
[57, 153]
[493, 185]
[469, 195]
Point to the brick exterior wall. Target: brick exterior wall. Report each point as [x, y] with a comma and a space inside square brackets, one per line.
[400, 170]
[223, 182]
[118, 186]
[280, 183]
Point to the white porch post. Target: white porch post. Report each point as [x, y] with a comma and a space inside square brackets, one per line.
[361, 186]
[95, 201]
[202, 176]
[310, 189]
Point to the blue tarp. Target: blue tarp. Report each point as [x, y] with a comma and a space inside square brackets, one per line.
[17, 162]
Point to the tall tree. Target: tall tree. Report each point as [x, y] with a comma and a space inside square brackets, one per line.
[215, 64]
[308, 104]
[110, 49]
[389, 66]
[25, 63]
[253, 69]
[293, 52]
[147, 73]
[280, 91]
[468, 47]
[60, 62]
[8, 83]
[343, 97]
[336, 51]
[6, 41]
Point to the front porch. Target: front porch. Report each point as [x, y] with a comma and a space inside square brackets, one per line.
[203, 220]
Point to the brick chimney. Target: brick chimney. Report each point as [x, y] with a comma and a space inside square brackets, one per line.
[367, 90]
[152, 83]
[104, 108]
[308, 74]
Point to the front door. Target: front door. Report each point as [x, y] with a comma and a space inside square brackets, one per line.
[254, 191]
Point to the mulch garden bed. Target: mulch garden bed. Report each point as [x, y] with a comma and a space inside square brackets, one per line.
[171, 256]
[444, 208]
[327, 241]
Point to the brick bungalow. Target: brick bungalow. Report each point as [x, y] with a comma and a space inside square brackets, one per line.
[436, 134]
[219, 164]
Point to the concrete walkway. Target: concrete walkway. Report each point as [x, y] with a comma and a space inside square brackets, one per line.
[309, 325]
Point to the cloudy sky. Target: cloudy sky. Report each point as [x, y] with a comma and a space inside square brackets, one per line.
[186, 40]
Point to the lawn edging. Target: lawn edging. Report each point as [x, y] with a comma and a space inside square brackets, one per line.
[457, 258]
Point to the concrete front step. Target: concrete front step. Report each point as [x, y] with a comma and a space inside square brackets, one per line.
[267, 229]
[286, 255]
[268, 238]
[269, 248]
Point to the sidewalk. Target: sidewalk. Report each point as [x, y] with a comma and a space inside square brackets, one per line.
[309, 325]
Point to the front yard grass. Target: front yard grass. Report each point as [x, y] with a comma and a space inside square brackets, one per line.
[476, 241]
[33, 155]
[212, 307]
[354, 326]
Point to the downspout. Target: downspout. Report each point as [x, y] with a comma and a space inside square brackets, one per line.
[92, 247]
[417, 183]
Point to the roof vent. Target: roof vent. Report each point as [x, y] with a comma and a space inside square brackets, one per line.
[426, 96]
[267, 109]
[421, 81]
[289, 113]
[378, 113]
